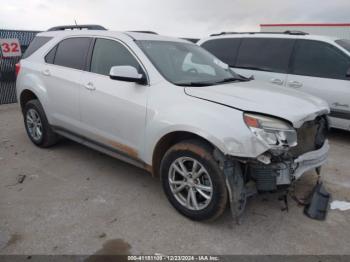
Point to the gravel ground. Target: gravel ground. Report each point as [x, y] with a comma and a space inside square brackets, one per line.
[74, 200]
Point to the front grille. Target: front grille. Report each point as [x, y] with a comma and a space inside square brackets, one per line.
[311, 136]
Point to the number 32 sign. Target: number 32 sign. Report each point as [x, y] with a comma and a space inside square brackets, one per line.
[10, 47]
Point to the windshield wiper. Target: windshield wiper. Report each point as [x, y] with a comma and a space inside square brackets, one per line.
[255, 68]
[211, 83]
[228, 80]
[196, 84]
[234, 79]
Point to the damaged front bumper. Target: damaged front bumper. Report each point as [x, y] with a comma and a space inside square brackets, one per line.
[277, 168]
[311, 160]
[266, 177]
[283, 171]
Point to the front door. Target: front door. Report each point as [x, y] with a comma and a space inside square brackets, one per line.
[113, 112]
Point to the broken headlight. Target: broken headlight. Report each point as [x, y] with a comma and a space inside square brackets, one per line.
[275, 132]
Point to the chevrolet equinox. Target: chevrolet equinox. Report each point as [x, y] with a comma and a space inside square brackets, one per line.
[172, 108]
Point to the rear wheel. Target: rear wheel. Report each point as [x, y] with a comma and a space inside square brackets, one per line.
[37, 126]
[193, 181]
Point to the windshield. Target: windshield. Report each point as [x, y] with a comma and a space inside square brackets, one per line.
[187, 64]
[344, 43]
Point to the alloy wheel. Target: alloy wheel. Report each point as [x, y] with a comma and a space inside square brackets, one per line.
[34, 124]
[190, 183]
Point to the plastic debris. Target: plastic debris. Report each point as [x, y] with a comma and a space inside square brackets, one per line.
[319, 202]
[341, 205]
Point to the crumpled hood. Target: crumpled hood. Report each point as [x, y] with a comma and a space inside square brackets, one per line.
[261, 97]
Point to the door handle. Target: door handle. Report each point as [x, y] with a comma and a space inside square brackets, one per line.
[90, 86]
[46, 72]
[276, 81]
[295, 84]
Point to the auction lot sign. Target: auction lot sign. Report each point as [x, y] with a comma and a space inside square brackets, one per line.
[10, 47]
[13, 43]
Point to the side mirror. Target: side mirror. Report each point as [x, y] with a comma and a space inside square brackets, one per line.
[128, 74]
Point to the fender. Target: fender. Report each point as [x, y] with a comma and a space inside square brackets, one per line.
[205, 119]
[34, 84]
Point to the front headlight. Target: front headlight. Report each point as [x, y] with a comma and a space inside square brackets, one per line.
[275, 132]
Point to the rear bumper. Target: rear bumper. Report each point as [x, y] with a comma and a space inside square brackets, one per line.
[311, 160]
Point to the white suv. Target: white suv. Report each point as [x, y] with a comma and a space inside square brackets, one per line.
[318, 65]
[172, 108]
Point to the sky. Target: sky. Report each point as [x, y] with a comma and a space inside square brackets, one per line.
[183, 18]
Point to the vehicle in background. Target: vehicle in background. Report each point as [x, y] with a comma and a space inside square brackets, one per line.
[338, 30]
[170, 107]
[318, 65]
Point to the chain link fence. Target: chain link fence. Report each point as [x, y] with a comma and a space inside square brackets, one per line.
[7, 65]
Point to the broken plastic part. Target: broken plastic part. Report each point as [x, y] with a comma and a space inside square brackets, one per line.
[318, 170]
[265, 159]
[284, 199]
[236, 189]
[319, 202]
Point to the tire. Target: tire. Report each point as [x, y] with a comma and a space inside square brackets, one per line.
[195, 183]
[34, 113]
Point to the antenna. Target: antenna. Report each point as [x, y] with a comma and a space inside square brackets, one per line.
[75, 21]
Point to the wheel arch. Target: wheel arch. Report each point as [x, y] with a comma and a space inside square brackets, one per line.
[25, 96]
[170, 139]
[30, 86]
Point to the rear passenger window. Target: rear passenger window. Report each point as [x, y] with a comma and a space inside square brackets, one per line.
[37, 42]
[318, 59]
[109, 53]
[225, 49]
[73, 52]
[265, 54]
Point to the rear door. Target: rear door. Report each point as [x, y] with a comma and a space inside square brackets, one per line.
[320, 68]
[62, 75]
[267, 59]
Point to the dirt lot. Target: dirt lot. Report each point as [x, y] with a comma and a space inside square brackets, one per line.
[74, 200]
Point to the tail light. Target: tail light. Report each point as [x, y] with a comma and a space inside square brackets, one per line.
[18, 67]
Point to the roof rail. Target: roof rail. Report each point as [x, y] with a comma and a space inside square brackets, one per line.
[294, 32]
[144, 32]
[80, 27]
[288, 32]
[226, 33]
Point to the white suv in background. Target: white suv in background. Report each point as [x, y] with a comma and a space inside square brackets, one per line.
[172, 108]
[318, 65]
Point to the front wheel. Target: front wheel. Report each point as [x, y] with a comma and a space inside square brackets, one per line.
[193, 181]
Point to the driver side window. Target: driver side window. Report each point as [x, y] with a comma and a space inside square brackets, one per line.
[108, 53]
